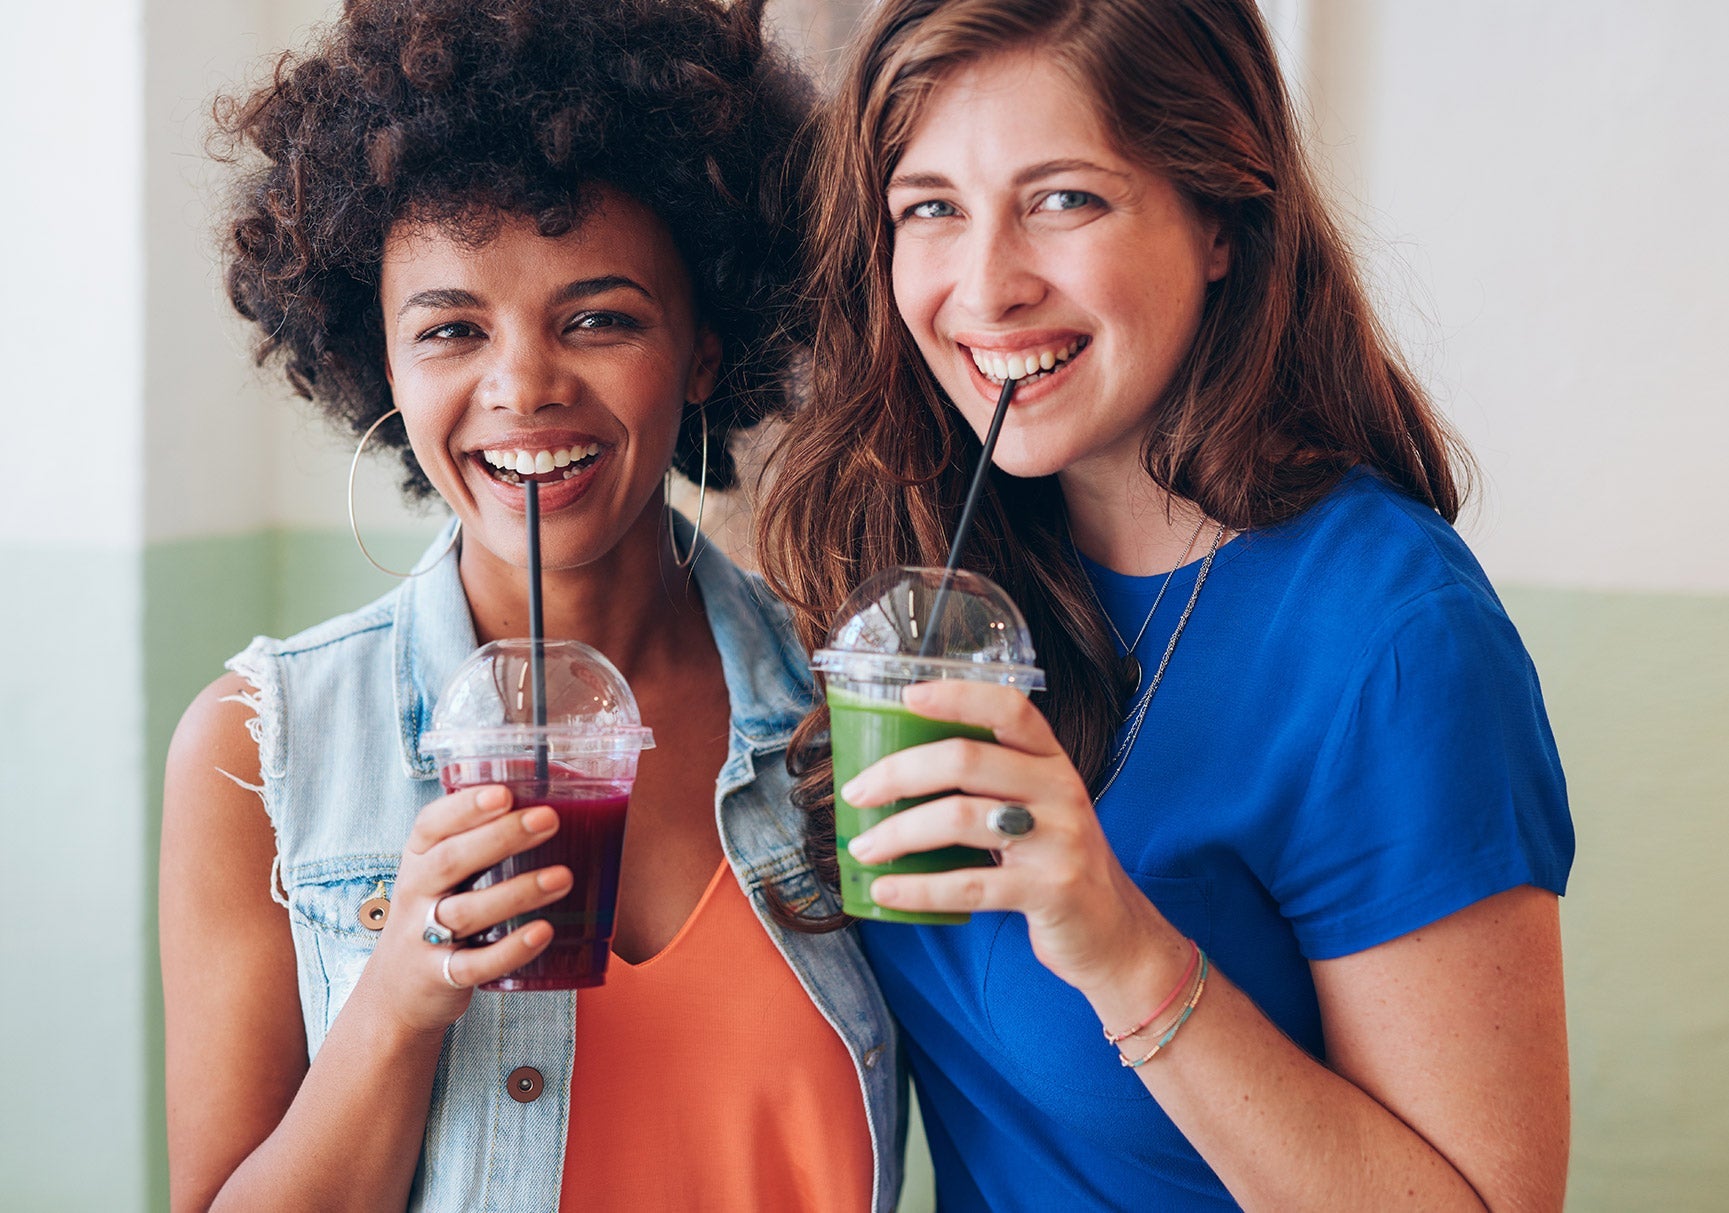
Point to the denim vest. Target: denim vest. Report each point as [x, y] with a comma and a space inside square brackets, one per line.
[340, 710]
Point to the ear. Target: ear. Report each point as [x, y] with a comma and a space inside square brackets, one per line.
[1218, 254]
[704, 366]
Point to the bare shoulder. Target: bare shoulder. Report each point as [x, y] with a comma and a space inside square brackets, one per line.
[214, 733]
[236, 1046]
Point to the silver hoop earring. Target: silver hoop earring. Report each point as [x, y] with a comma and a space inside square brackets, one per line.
[354, 526]
[689, 557]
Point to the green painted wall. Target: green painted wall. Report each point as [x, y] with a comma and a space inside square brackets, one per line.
[1637, 685]
[1638, 691]
[204, 599]
[74, 957]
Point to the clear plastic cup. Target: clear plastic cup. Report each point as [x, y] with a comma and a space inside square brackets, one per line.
[880, 645]
[581, 763]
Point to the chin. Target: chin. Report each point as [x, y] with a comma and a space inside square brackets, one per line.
[1025, 464]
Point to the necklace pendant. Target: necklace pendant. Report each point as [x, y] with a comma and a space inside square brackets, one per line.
[1132, 668]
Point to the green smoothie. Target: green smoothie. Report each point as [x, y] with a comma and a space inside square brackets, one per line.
[863, 730]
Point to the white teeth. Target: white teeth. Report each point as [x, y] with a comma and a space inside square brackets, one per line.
[1020, 366]
[538, 463]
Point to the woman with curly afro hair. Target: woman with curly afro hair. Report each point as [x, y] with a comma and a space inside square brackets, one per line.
[521, 242]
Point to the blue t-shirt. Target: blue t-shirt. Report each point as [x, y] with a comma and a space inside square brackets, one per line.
[1349, 744]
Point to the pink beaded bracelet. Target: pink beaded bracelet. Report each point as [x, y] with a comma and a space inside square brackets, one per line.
[1188, 1010]
[1182, 984]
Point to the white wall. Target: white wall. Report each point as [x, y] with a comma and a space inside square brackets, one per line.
[1542, 185]
[75, 958]
[207, 422]
[72, 257]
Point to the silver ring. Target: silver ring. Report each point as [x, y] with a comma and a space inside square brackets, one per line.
[435, 932]
[448, 979]
[1010, 822]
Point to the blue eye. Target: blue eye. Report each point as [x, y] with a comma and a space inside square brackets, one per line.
[931, 209]
[1066, 200]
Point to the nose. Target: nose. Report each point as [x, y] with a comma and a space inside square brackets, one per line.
[995, 271]
[526, 375]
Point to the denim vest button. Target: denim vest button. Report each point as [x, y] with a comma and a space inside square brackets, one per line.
[872, 1056]
[524, 1084]
[375, 910]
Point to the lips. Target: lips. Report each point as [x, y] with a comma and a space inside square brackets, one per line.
[563, 466]
[1040, 360]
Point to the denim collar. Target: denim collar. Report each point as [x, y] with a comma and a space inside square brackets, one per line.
[767, 676]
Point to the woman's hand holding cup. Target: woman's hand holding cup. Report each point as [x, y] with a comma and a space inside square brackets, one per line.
[427, 986]
[1086, 919]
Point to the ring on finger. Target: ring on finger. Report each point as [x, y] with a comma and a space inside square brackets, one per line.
[1010, 822]
[435, 932]
[448, 979]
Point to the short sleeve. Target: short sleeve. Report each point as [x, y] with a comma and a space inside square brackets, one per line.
[1438, 783]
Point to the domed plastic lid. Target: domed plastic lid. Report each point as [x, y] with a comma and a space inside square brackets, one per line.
[881, 633]
[487, 708]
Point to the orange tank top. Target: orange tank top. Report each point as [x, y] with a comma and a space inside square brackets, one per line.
[706, 1080]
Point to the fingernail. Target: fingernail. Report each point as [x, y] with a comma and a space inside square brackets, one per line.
[535, 933]
[540, 821]
[850, 790]
[493, 800]
[550, 879]
[861, 849]
[882, 890]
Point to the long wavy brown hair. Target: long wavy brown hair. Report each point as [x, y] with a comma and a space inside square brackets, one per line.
[1290, 381]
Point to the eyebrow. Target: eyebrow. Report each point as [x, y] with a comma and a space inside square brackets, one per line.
[1028, 175]
[582, 288]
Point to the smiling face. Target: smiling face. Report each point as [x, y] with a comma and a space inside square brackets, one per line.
[564, 359]
[1027, 246]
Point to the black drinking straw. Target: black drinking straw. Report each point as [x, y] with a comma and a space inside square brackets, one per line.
[536, 633]
[964, 527]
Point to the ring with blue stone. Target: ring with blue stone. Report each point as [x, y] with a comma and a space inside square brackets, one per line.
[435, 932]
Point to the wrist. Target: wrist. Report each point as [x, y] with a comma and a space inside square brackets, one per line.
[394, 1028]
[1140, 982]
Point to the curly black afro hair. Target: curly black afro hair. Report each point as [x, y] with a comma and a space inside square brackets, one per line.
[456, 111]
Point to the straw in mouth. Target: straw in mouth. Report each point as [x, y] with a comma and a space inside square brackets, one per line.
[963, 528]
[536, 630]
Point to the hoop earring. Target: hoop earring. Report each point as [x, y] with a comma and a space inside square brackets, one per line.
[354, 526]
[689, 557]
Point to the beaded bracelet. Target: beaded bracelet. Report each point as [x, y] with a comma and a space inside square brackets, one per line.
[1188, 1010]
[1117, 1038]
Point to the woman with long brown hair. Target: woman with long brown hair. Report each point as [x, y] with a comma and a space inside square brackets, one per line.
[1289, 825]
